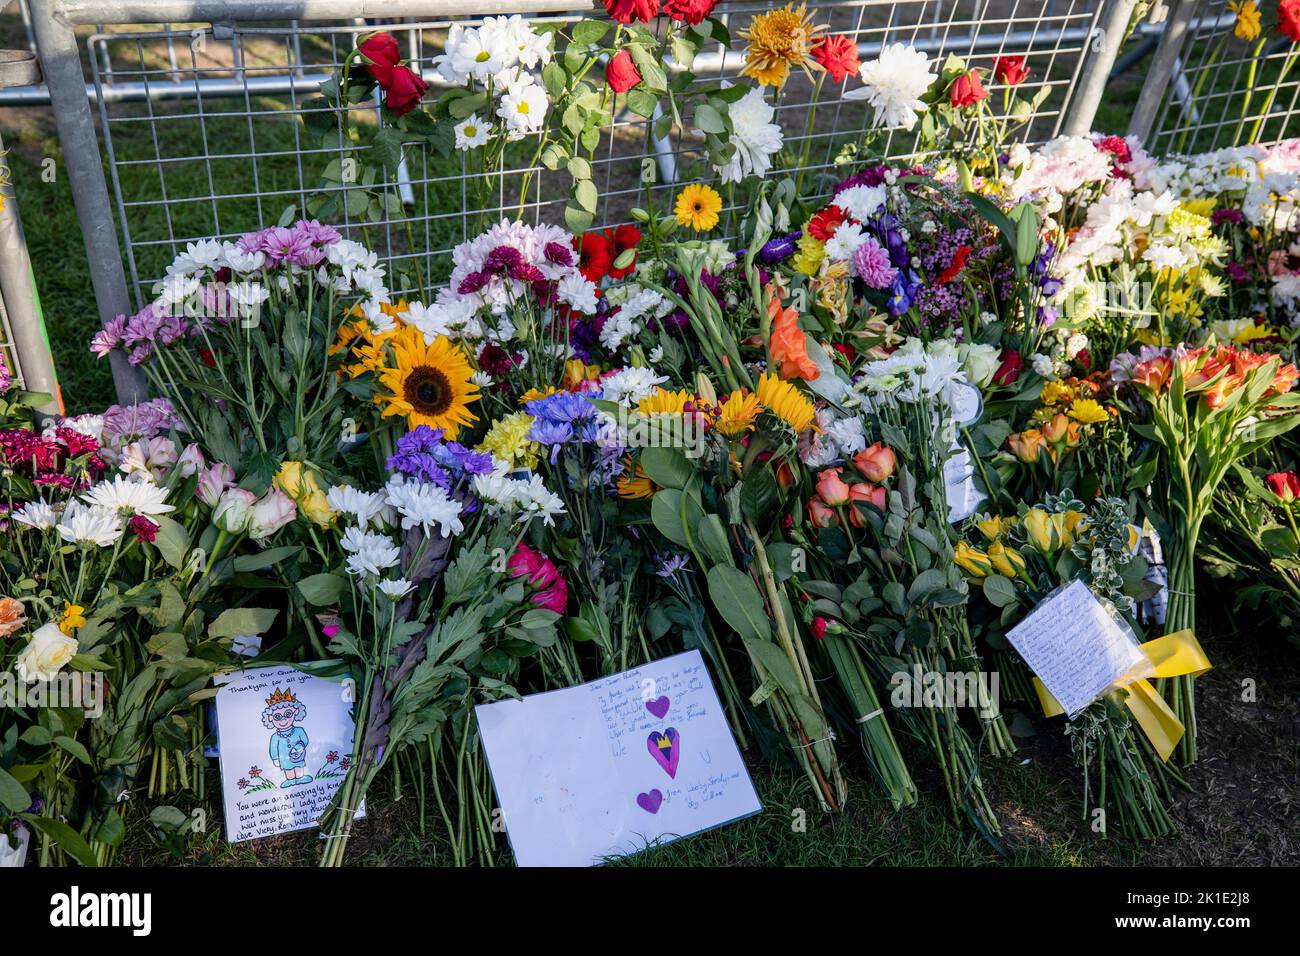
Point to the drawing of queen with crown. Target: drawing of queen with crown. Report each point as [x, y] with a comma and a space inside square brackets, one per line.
[289, 741]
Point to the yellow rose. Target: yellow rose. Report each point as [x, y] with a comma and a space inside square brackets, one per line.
[1040, 531]
[300, 484]
[1006, 561]
[974, 562]
[47, 653]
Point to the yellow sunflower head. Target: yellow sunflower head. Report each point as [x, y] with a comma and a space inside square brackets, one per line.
[785, 401]
[778, 40]
[635, 483]
[430, 384]
[662, 402]
[737, 414]
[698, 206]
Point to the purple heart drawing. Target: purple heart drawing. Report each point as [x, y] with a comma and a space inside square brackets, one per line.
[665, 749]
[658, 706]
[650, 802]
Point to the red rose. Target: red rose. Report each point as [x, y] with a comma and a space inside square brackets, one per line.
[967, 90]
[1010, 70]
[1285, 485]
[382, 55]
[595, 255]
[838, 54]
[1010, 369]
[621, 73]
[691, 11]
[621, 240]
[626, 11]
[1288, 19]
[405, 91]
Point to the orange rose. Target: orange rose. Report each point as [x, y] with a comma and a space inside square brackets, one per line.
[11, 616]
[820, 514]
[866, 494]
[831, 488]
[876, 463]
[1027, 445]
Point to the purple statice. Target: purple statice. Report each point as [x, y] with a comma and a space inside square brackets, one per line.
[126, 423]
[871, 264]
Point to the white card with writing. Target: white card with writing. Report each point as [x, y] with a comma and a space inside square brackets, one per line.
[1077, 649]
[286, 742]
[964, 498]
[605, 768]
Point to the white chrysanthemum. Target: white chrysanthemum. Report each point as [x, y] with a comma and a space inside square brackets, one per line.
[424, 505]
[397, 588]
[89, 524]
[240, 261]
[535, 500]
[846, 238]
[363, 506]
[629, 386]
[129, 497]
[203, 256]
[754, 136]
[862, 202]
[893, 85]
[471, 133]
[617, 330]
[36, 514]
[578, 292]
[369, 553]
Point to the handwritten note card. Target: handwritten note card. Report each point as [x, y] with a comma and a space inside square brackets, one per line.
[1075, 647]
[605, 768]
[286, 740]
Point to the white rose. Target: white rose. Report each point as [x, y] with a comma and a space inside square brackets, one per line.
[979, 362]
[45, 654]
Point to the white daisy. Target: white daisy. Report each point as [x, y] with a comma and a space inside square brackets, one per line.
[523, 107]
[397, 588]
[36, 514]
[364, 506]
[89, 524]
[471, 133]
[129, 498]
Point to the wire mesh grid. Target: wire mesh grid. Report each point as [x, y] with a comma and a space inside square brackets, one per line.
[1239, 87]
[204, 130]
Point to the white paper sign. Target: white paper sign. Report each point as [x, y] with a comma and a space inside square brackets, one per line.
[604, 768]
[964, 498]
[286, 739]
[1076, 648]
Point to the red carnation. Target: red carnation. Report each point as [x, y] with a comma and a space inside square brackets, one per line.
[967, 90]
[595, 255]
[691, 11]
[1010, 369]
[1010, 70]
[818, 627]
[955, 266]
[823, 225]
[621, 74]
[626, 11]
[144, 529]
[1288, 19]
[838, 54]
[621, 240]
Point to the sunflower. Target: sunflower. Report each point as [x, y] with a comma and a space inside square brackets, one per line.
[778, 40]
[431, 383]
[785, 402]
[662, 402]
[736, 415]
[360, 343]
[698, 207]
[635, 483]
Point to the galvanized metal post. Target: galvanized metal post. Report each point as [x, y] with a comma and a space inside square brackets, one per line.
[22, 306]
[1092, 82]
[1163, 66]
[61, 64]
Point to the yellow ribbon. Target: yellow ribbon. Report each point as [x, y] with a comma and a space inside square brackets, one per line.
[1174, 655]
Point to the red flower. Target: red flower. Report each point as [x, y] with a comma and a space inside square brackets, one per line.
[406, 91]
[621, 240]
[1010, 70]
[1285, 485]
[207, 358]
[595, 255]
[621, 73]
[549, 589]
[955, 266]
[1288, 19]
[382, 55]
[823, 225]
[403, 87]
[626, 11]
[967, 90]
[144, 529]
[691, 11]
[818, 627]
[838, 54]
[1010, 369]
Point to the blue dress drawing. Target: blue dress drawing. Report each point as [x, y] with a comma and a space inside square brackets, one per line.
[288, 740]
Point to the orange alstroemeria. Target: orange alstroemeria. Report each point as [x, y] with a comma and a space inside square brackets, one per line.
[789, 347]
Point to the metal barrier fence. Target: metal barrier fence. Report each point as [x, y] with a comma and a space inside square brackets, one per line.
[200, 105]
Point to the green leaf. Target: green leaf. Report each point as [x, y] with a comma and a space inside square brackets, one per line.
[587, 32]
[586, 194]
[999, 590]
[264, 559]
[709, 120]
[237, 621]
[713, 540]
[667, 467]
[642, 102]
[322, 590]
[67, 838]
[172, 541]
[74, 747]
[12, 793]
[738, 602]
